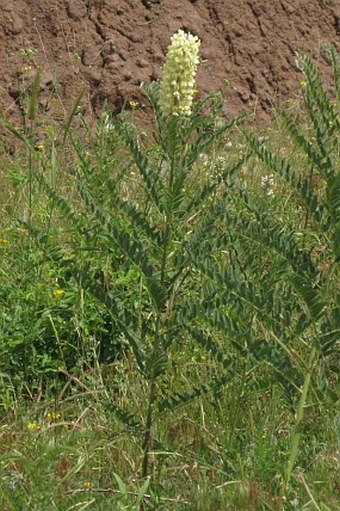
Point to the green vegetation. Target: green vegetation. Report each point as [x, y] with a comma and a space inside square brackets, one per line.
[170, 309]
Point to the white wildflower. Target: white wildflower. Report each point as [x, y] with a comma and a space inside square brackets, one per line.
[177, 88]
[268, 183]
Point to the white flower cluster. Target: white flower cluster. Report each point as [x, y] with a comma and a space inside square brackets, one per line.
[268, 183]
[178, 85]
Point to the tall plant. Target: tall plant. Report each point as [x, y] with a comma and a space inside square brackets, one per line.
[210, 265]
[161, 231]
[312, 258]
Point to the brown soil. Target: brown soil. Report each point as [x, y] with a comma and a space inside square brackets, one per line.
[111, 46]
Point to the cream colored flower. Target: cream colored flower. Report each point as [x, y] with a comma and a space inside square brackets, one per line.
[178, 88]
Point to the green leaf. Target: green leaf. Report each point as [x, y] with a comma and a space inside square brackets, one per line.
[121, 485]
[310, 296]
[180, 399]
[71, 116]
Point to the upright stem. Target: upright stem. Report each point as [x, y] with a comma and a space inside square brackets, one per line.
[156, 340]
[30, 193]
[30, 179]
[148, 428]
[29, 217]
[237, 408]
[156, 346]
[297, 427]
[153, 376]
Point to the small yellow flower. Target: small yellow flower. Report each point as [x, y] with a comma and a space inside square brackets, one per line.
[33, 426]
[87, 484]
[27, 69]
[58, 293]
[133, 105]
[3, 241]
[40, 148]
[119, 366]
[303, 84]
[52, 416]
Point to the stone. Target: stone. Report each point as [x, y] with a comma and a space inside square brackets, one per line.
[127, 75]
[93, 76]
[17, 24]
[109, 48]
[142, 63]
[91, 55]
[47, 80]
[76, 9]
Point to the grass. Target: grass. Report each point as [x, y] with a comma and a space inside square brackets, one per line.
[170, 311]
[58, 453]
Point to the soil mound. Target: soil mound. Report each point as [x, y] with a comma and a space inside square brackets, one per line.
[110, 46]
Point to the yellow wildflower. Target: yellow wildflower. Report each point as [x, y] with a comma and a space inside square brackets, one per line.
[53, 416]
[33, 425]
[133, 105]
[58, 293]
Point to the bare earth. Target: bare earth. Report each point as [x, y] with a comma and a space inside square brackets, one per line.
[111, 46]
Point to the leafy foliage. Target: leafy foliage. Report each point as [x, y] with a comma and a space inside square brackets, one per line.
[202, 281]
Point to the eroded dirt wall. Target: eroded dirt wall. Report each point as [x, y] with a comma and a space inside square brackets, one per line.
[111, 46]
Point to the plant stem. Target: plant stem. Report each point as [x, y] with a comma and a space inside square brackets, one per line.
[297, 427]
[30, 193]
[148, 428]
[237, 408]
[156, 338]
